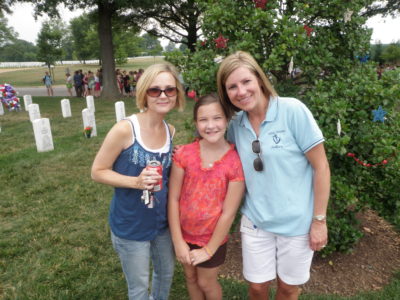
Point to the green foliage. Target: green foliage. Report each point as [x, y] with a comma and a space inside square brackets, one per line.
[179, 59]
[49, 42]
[84, 36]
[7, 34]
[150, 45]
[376, 53]
[391, 54]
[170, 47]
[332, 83]
[351, 97]
[275, 34]
[18, 50]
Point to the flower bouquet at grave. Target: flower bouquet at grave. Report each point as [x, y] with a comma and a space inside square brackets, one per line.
[9, 98]
[87, 131]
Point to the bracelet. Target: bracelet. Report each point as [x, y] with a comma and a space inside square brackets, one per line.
[319, 218]
[207, 251]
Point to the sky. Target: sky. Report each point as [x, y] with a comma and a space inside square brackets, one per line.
[384, 30]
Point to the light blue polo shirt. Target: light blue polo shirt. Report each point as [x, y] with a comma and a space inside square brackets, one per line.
[280, 198]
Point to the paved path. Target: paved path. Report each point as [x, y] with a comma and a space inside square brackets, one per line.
[59, 90]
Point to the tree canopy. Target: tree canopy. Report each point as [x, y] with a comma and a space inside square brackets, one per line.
[177, 21]
[49, 42]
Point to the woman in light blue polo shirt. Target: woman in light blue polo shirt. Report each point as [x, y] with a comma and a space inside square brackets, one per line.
[287, 178]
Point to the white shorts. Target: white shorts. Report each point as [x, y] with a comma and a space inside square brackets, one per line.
[266, 254]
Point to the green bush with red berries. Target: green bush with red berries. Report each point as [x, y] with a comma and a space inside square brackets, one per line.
[364, 156]
[329, 44]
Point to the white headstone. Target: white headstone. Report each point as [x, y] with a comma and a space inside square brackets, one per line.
[27, 101]
[1, 109]
[90, 103]
[119, 110]
[66, 108]
[34, 111]
[89, 120]
[43, 137]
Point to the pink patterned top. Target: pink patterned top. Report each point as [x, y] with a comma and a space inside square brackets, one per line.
[203, 191]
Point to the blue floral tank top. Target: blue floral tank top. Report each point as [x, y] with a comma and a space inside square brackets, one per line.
[129, 217]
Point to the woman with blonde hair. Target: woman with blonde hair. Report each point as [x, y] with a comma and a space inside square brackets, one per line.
[138, 212]
[286, 174]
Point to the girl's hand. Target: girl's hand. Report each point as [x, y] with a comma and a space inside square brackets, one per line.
[197, 256]
[147, 179]
[182, 253]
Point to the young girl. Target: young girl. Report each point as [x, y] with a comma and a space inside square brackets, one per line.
[139, 229]
[206, 187]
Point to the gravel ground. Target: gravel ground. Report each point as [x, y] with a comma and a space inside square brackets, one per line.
[59, 90]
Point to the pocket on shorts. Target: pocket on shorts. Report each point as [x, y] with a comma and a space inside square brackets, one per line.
[247, 226]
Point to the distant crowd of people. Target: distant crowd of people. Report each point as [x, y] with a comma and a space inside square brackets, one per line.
[85, 83]
[90, 83]
[126, 81]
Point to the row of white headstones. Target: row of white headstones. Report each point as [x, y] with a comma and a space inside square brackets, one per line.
[41, 126]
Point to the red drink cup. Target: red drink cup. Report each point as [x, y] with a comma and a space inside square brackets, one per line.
[154, 164]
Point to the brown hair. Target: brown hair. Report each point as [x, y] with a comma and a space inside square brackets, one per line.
[209, 99]
[230, 64]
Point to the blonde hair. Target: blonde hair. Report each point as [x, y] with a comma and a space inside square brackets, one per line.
[147, 79]
[230, 64]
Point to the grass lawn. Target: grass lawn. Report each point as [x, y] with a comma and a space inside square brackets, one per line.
[54, 234]
[33, 76]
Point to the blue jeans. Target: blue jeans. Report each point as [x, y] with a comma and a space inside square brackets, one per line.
[135, 260]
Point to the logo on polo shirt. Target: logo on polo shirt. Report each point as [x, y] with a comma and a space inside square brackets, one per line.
[276, 139]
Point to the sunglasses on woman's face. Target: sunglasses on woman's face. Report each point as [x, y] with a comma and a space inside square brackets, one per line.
[156, 92]
[258, 163]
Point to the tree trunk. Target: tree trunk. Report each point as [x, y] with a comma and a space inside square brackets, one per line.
[192, 35]
[192, 31]
[110, 90]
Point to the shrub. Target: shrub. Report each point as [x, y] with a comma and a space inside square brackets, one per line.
[351, 98]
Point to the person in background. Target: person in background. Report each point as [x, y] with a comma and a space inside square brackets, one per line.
[127, 83]
[120, 81]
[132, 89]
[206, 188]
[48, 82]
[90, 83]
[69, 84]
[97, 84]
[138, 213]
[78, 84]
[139, 73]
[85, 81]
[286, 174]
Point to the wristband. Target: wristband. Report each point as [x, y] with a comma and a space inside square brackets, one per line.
[320, 218]
[207, 251]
